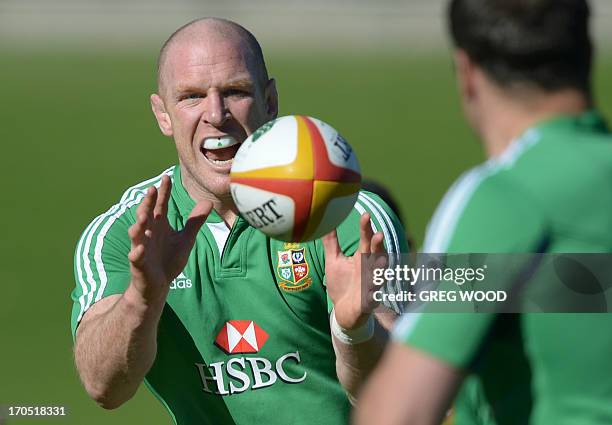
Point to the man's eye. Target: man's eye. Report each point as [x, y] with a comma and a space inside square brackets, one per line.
[192, 96]
[235, 92]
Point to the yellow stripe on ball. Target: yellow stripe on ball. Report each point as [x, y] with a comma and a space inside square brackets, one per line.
[302, 168]
[322, 193]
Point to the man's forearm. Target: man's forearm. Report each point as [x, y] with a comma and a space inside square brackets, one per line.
[354, 362]
[116, 349]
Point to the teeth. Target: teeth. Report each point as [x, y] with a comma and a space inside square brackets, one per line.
[219, 162]
[212, 143]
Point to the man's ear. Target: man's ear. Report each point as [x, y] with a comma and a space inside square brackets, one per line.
[162, 117]
[271, 98]
[464, 69]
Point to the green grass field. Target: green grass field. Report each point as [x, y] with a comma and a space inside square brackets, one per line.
[77, 131]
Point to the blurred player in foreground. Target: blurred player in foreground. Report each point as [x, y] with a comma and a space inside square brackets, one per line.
[223, 324]
[524, 76]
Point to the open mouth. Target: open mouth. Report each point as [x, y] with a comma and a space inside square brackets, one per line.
[219, 150]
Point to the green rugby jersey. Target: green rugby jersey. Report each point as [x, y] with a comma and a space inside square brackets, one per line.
[244, 337]
[551, 191]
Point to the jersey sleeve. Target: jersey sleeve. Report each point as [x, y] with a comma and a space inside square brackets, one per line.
[479, 214]
[382, 219]
[101, 265]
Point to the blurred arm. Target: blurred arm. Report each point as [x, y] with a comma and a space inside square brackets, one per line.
[358, 336]
[354, 362]
[409, 387]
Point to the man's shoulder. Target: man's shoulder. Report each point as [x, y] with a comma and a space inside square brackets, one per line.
[101, 265]
[570, 156]
[562, 175]
[514, 177]
[486, 205]
[134, 194]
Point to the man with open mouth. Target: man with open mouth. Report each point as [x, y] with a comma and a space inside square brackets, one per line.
[176, 289]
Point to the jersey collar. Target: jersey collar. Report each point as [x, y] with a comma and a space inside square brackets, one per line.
[589, 121]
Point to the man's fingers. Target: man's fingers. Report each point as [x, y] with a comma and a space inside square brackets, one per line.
[144, 212]
[196, 219]
[135, 231]
[381, 262]
[378, 248]
[376, 244]
[138, 231]
[365, 234]
[161, 206]
[152, 195]
[331, 245]
[201, 210]
[136, 255]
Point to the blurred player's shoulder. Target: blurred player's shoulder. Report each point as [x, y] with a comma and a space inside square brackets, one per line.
[525, 190]
[573, 153]
[561, 150]
[564, 173]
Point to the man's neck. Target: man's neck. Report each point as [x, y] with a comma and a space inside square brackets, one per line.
[223, 205]
[509, 117]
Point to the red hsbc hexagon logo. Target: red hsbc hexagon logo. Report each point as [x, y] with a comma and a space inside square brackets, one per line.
[241, 336]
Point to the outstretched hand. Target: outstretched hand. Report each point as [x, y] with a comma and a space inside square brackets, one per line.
[352, 303]
[159, 253]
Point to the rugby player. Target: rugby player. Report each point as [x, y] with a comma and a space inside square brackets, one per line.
[523, 69]
[176, 290]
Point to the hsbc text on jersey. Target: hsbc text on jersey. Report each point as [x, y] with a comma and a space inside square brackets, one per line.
[264, 374]
[241, 373]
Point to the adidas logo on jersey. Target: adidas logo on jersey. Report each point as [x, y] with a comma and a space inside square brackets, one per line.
[242, 373]
[181, 282]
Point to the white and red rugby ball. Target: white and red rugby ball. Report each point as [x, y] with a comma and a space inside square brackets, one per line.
[295, 178]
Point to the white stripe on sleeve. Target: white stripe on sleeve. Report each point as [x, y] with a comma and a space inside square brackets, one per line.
[389, 242]
[88, 283]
